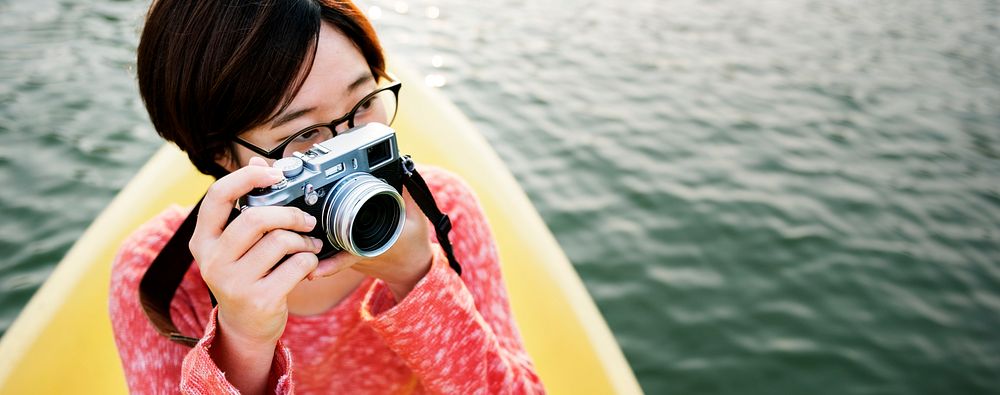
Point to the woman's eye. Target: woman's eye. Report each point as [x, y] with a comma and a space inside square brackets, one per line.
[367, 104]
[307, 135]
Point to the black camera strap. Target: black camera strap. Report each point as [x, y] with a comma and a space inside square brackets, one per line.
[425, 200]
[164, 275]
[159, 283]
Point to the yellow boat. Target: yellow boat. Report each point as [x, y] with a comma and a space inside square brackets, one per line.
[62, 342]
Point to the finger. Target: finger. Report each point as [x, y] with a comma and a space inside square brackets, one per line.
[409, 203]
[415, 217]
[222, 195]
[257, 161]
[291, 272]
[253, 223]
[271, 249]
[335, 264]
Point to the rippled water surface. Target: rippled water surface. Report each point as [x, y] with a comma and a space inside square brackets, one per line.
[796, 196]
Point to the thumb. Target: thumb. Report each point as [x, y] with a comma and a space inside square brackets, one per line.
[335, 264]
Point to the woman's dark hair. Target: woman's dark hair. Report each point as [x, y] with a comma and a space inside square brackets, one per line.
[209, 70]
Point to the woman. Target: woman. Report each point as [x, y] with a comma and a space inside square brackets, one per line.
[227, 82]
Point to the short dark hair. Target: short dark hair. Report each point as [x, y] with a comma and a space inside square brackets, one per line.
[209, 70]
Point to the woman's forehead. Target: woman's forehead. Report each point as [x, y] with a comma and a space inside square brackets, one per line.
[337, 64]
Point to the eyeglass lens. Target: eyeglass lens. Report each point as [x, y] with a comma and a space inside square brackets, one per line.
[380, 108]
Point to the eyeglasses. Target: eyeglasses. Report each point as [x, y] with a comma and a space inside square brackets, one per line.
[379, 106]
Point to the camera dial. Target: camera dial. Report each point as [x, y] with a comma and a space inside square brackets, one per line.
[290, 166]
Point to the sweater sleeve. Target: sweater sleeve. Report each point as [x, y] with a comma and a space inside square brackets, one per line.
[455, 332]
[151, 363]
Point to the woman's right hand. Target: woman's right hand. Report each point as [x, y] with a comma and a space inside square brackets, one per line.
[236, 261]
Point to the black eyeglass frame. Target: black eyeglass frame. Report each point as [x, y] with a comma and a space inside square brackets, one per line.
[276, 152]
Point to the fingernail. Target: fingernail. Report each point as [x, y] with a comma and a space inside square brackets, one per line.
[275, 174]
[310, 220]
[317, 243]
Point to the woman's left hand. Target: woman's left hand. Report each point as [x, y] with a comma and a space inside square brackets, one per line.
[402, 266]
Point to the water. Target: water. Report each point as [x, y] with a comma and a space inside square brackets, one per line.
[763, 197]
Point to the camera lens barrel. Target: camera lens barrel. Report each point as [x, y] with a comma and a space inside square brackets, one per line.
[363, 215]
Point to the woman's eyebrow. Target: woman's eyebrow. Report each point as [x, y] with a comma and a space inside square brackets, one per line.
[286, 118]
[361, 80]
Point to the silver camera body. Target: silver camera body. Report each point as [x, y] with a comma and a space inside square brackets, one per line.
[351, 183]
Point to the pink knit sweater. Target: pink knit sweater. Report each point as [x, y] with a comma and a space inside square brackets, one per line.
[450, 335]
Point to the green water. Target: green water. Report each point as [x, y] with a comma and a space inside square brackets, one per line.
[762, 196]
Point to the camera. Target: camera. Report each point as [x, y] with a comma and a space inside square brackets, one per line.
[351, 183]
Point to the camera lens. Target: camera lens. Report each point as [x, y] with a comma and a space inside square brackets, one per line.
[375, 222]
[363, 215]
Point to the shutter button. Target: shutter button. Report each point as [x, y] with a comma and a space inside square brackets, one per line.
[290, 166]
